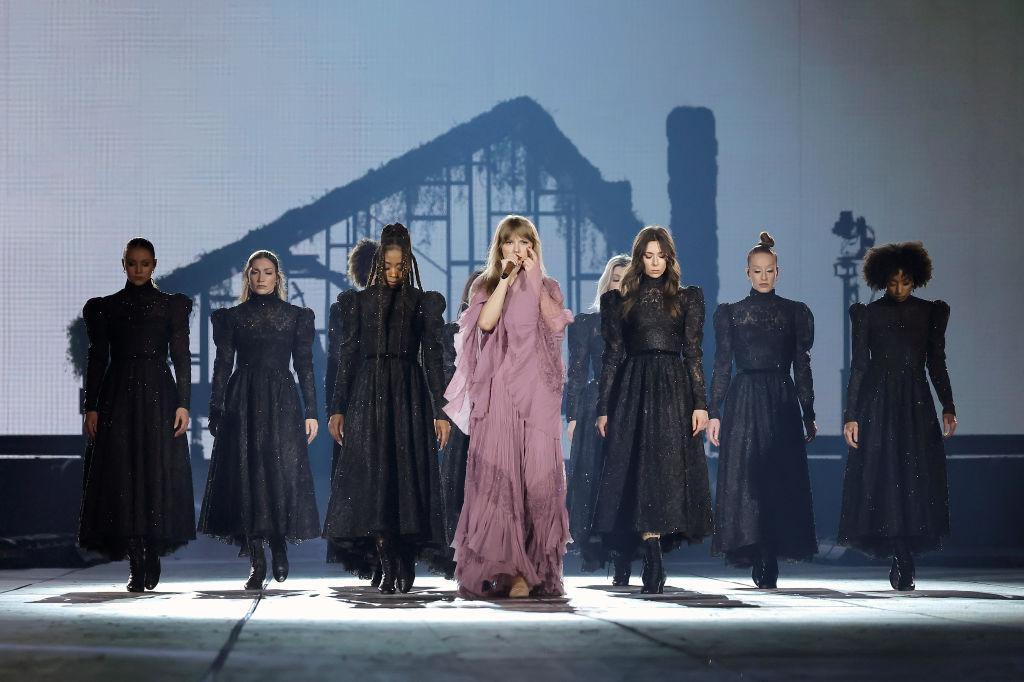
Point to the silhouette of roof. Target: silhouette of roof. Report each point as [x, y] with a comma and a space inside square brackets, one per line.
[608, 204]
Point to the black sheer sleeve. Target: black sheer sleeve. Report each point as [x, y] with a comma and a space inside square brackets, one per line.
[804, 328]
[348, 351]
[859, 360]
[721, 377]
[577, 370]
[693, 339]
[333, 352]
[431, 327]
[937, 356]
[99, 351]
[223, 363]
[181, 354]
[614, 350]
[302, 358]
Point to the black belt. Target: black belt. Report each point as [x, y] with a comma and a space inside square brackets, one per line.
[766, 370]
[140, 356]
[656, 351]
[407, 357]
[263, 365]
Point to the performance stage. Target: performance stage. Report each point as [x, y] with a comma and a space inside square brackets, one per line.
[824, 623]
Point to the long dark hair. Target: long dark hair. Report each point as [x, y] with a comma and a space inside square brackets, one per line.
[360, 262]
[395, 235]
[634, 272]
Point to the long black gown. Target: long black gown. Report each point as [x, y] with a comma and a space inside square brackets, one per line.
[655, 476]
[260, 485]
[386, 480]
[764, 490]
[586, 457]
[455, 454]
[138, 478]
[895, 488]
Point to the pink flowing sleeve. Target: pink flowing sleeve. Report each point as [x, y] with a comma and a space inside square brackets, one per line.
[473, 364]
[554, 318]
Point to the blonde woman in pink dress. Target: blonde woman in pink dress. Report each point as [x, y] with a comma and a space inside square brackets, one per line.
[506, 396]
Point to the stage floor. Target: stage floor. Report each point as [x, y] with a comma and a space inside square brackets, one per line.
[824, 623]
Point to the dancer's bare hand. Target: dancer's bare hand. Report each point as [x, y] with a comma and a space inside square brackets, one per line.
[699, 421]
[810, 430]
[312, 427]
[180, 421]
[569, 430]
[336, 427]
[948, 424]
[529, 261]
[851, 431]
[89, 424]
[714, 427]
[515, 271]
[602, 425]
[442, 429]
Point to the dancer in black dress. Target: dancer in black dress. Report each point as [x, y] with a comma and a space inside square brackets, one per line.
[654, 484]
[137, 498]
[260, 487]
[895, 498]
[763, 509]
[386, 415]
[586, 453]
[455, 453]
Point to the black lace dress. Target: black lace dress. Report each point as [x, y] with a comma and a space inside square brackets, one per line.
[138, 478]
[455, 454]
[586, 457]
[655, 475]
[386, 479]
[260, 485]
[895, 488]
[764, 491]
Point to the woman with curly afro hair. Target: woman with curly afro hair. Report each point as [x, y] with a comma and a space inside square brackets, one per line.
[895, 498]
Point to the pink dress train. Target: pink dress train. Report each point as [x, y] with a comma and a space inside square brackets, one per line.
[506, 396]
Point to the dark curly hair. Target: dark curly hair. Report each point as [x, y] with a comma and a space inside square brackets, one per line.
[882, 262]
[360, 262]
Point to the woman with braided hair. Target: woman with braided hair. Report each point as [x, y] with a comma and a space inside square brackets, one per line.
[895, 499]
[386, 417]
[506, 396]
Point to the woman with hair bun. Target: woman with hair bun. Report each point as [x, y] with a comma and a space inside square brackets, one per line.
[137, 498]
[895, 497]
[386, 416]
[652, 407]
[763, 509]
[260, 488]
[587, 452]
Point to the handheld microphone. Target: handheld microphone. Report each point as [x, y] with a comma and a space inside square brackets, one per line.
[509, 267]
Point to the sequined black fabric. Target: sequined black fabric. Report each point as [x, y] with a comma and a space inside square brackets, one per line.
[895, 483]
[386, 479]
[260, 484]
[655, 476]
[138, 479]
[455, 454]
[586, 347]
[764, 491]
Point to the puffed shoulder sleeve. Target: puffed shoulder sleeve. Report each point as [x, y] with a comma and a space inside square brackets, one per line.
[302, 358]
[804, 333]
[860, 356]
[937, 369]
[693, 341]
[432, 305]
[98, 356]
[224, 361]
[578, 361]
[181, 354]
[614, 350]
[348, 351]
[721, 375]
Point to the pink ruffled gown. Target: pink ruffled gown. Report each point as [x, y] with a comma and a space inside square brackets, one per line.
[506, 395]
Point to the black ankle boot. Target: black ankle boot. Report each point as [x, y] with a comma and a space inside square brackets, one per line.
[257, 565]
[901, 575]
[406, 568]
[136, 566]
[279, 559]
[388, 565]
[377, 575]
[623, 569]
[152, 568]
[654, 571]
[769, 572]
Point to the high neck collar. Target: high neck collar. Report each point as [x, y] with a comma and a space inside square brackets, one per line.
[754, 293]
[262, 299]
[139, 289]
[892, 301]
[647, 282]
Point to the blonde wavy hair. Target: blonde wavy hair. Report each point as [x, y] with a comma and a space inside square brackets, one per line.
[282, 287]
[619, 260]
[509, 227]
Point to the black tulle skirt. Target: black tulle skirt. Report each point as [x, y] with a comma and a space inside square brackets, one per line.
[894, 489]
[764, 490]
[386, 480]
[586, 459]
[655, 475]
[260, 485]
[138, 478]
